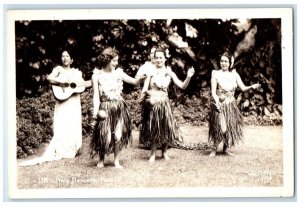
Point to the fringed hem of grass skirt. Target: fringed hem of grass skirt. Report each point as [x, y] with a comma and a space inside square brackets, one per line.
[158, 125]
[117, 112]
[234, 124]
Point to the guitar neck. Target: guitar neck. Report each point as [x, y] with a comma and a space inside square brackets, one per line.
[86, 84]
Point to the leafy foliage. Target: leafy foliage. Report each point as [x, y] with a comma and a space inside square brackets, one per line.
[191, 42]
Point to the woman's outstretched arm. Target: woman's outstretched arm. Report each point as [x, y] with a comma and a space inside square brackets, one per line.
[185, 83]
[242, 86]
[128, 79]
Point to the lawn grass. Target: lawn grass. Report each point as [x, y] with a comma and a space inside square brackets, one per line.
[258, 162]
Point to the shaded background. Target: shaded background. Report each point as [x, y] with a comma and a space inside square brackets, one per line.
[255, 43]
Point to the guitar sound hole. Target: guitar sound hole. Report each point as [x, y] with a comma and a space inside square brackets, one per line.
[72, 85]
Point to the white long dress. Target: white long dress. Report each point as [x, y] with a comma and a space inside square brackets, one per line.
[67, 127]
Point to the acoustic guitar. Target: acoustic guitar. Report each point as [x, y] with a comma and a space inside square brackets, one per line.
[64, 92]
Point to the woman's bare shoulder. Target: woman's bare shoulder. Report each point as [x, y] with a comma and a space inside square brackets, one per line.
[169, 71]
[215, 73]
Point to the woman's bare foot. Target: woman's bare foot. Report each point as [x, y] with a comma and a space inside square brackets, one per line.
[165, 156]
[228, 153]
[117, 155]
[164, 152]
[213, 153]
[117, 165]
[153, 151]
[100, 164]
[152, 158]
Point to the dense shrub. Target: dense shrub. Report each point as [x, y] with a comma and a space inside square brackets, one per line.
[34, 122]
[35, 116]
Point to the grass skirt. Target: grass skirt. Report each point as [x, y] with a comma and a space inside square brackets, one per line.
[158, 124]
[233, 123]
[104, 139]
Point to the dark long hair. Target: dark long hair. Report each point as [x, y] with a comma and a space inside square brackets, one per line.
[230, 57]
[106, 56]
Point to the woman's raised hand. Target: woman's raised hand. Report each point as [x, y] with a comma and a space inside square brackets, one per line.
[142, 78]
[255, 86]
[191, 72]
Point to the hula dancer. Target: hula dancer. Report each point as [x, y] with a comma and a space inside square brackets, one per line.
[113, 123]
[159, 128]
[226, 122]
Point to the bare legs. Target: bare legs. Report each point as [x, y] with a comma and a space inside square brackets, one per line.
[164, 152]
[225, 150]
[102, 154]
[101, 161]
[214, 151]
[153, 150]
[117, 148]
[117, 155]
[118, 136]
[117, 151]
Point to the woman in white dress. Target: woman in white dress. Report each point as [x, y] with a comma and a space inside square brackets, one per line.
[67, 127]
[226, 122]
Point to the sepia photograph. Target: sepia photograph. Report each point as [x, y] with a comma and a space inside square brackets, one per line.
[150, 103]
